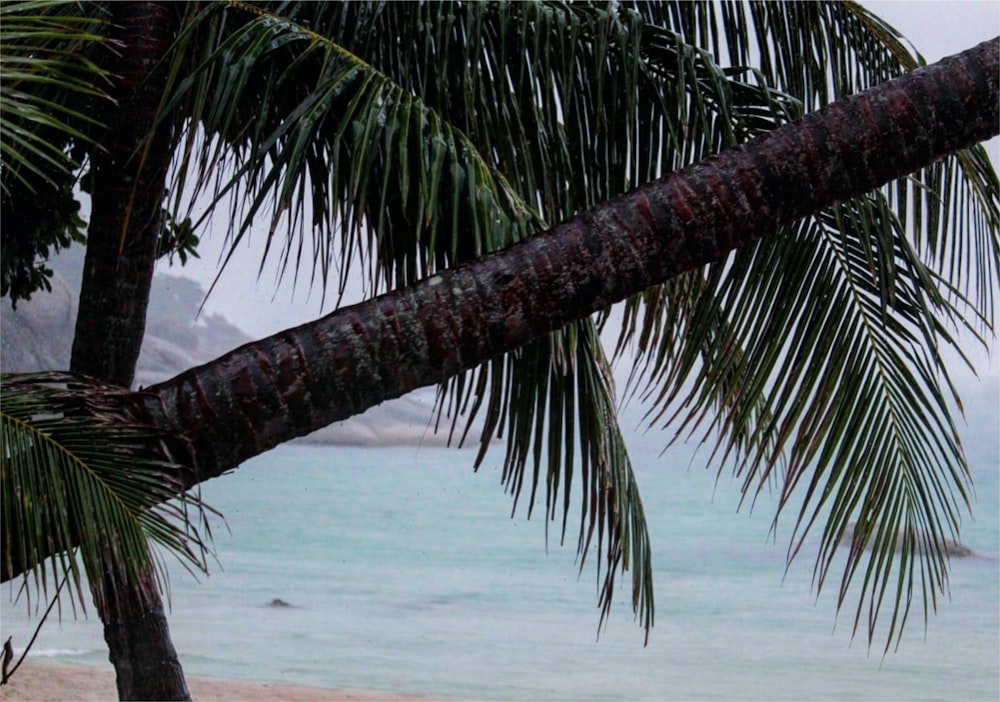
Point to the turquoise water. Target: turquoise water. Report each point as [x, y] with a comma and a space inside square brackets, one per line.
[405, 572]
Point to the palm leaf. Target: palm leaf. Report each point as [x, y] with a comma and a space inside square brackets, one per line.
[50, 90]
[46, 69]
[328, 132]
[78, 471]
[810, 389]
[838, 38]
[403, 169]
[367, 154]
[568, 409]
[791, 356]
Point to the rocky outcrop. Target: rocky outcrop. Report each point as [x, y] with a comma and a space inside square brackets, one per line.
[409, 420]
[38, 335]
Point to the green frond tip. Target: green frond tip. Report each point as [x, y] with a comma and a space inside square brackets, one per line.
[842, 404]
[553, 402]
[77, 472]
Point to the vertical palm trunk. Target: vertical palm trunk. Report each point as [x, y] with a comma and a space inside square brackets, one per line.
[128, 186]
[129, 179]
[299, 380]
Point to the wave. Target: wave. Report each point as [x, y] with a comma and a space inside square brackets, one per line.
[59, 652]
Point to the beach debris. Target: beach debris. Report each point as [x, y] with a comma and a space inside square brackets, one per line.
[8, 655]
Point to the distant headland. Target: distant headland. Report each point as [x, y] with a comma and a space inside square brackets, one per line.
[38, 336]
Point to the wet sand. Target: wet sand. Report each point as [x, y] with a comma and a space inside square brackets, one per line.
[41, 681]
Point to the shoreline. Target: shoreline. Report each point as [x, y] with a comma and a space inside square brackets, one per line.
[78, 683]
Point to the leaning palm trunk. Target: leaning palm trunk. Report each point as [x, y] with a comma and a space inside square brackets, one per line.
[302, 379]
[262, 394]
[121, 253]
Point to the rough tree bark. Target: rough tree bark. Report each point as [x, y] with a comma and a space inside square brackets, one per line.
[289, 384]
[129, 177]
[301, 379]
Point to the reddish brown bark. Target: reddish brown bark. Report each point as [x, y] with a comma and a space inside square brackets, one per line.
[299, 380]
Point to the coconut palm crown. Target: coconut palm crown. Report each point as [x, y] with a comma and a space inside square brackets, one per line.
[390, 142]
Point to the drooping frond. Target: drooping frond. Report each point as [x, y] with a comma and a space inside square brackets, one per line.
[793, 355]
[821, 52]
[399, 168]
[77, 472]
[837, 400]
[564, 425]
[318, 140]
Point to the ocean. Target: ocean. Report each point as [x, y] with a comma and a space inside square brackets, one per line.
[404, 571]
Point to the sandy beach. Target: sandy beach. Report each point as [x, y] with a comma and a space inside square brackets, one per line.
[40, 681]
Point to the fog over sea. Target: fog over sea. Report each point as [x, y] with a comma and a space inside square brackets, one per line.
[403, 571]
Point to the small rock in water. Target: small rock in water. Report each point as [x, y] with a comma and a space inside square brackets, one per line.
[954, 548]
[278, 602]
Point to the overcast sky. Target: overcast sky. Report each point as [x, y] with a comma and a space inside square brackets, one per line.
[937, 29]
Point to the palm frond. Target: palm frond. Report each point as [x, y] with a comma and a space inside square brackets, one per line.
[328, 130]
[370, 155]
[331, 145]
[400, 168]
[47, 66]
[77, 471]
[848, 389]
[820, 52]
[561, 425]
[50, 85]
[791, 356]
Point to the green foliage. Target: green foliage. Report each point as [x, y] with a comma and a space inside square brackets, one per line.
[478, 123]
[399, 168]
[49, 84]
[812, 361]
[77, 472]
[819, 52]
[46, 69]
[37, 228]
[384, 141]
[177, 238]
[561, 424]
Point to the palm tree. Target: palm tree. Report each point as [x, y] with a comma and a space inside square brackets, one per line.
[128, 171]
[306, 117]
